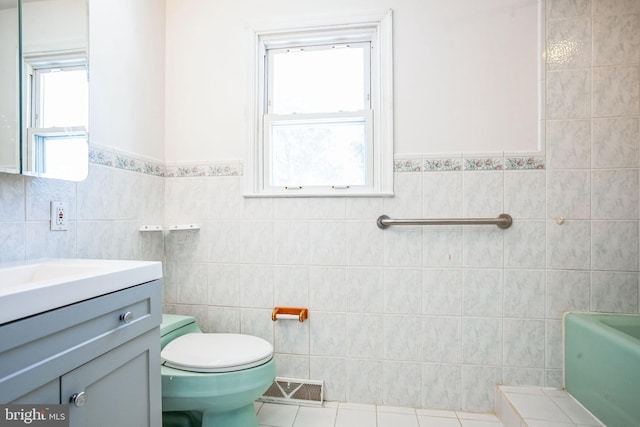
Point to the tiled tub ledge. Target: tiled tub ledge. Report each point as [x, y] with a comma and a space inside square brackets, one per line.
[541, 407]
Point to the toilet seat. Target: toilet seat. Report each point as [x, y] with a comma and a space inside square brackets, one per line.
[210, 353]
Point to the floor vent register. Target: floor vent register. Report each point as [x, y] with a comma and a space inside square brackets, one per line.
[295, 392]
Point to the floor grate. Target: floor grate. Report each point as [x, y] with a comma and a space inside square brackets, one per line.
[295, 392]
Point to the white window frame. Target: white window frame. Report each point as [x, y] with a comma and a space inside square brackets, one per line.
[377, 29]
[35, 136]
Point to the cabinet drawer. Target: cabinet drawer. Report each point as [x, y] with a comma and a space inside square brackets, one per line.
[45, 346]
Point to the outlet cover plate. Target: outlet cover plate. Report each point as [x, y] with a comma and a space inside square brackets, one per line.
[59, 216]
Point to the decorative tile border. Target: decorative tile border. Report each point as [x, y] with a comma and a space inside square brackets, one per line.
[524, 163]
[100, 157]
[218, 169]
[136, 165]
[105, 157]
[453, 164]
[407, 165]
[491, 163]
[483, 164]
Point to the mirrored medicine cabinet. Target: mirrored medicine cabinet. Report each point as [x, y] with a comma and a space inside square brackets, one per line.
[44, 90]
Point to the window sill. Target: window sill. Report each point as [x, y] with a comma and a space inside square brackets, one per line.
[337, 193]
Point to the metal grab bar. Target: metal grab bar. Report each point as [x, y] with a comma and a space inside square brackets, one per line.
[503, 221]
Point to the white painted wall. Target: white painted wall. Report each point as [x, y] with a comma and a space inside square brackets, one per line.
[126, 45]
[466, 72]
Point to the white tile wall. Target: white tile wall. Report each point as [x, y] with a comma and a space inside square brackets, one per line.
[615, 142]
[611, 96]
[568, 144]
[525, 194]
[524, 293]
[569, 94]
[568, 194]
[614, 291]
[577, 33]
[105, 213]
[424, 317]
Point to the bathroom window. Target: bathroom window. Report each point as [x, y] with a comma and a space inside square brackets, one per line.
[323, 111]
[57, 113]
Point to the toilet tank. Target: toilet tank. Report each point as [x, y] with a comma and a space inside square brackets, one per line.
[174, 325]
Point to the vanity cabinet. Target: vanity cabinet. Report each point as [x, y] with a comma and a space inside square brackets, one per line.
[101, 356]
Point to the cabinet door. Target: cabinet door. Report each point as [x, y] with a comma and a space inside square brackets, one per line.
[120, 388]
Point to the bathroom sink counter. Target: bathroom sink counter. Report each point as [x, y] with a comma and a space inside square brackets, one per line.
[32, 287]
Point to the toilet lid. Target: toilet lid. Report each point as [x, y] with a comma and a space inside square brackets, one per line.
[199, 352]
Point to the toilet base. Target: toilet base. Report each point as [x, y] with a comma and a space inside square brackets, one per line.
[221, 399]
[241, 417]
[181, 419]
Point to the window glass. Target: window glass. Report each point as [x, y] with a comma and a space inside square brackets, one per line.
[61, 155]
[321, 153]
[62, 95]
[320, 79]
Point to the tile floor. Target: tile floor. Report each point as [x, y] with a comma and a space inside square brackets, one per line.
[333, 414]
[541, 407]
[516, 407]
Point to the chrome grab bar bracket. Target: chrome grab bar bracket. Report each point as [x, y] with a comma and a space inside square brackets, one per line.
[381, 222]
[506, 222]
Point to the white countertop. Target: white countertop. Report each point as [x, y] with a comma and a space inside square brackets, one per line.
[35, 286]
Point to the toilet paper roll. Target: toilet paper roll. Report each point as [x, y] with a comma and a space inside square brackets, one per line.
[287, 316]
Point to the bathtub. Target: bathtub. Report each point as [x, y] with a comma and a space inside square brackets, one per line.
[602, 365]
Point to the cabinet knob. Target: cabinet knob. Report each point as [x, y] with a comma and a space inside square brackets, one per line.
[79, 399]
[126, 317]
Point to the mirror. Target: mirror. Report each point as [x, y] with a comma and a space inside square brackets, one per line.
[55, 88]
[9, 87]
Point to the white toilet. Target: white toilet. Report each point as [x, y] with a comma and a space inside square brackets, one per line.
[211, 380]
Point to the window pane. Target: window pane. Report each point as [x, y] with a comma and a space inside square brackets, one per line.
[64, 97]
[66, 157]
[317, 81]
[318, 154]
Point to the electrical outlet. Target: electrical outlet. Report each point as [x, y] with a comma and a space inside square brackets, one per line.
[59, 213]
